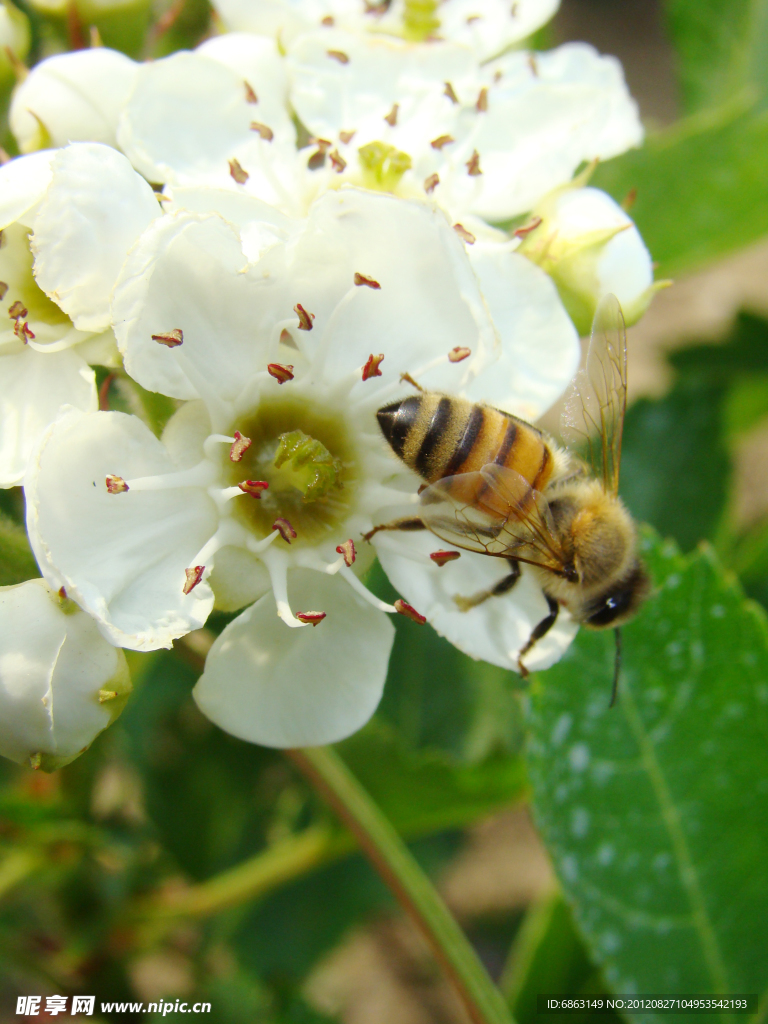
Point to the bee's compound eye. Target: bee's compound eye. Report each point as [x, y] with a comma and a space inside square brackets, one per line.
[610, 608]
[617, 604]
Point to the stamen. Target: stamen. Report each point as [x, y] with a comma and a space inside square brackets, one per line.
[338, 55]
[462, 232]
[533, 65]
[347, 551]
[482, 101]
[338, 161]
[312, 618]
[200, 475]
[171, 339]
[282, 372]
[250, 95]
[116, 484]
[237, 172]
[450, 93]
[431, 183]
[441, 558]
[305, 318]
[345, 137]
[277, 567]
[287, 339]
[371, 368]
[457, 354]
[21, 330]
[240, 446]
[264, 130]
[285, 529]
[473, 165]
[409, 611]
[365, 593]
[105, 695]
[369, 281]
[17, 309]
[253, 487]
[441, 140]
[526, 229]
[3, 290]
[316, 160]
[257, 547]
[193, 577]
[391, 117]
[328, 21]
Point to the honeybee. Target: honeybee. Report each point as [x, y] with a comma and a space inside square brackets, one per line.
[501, 487]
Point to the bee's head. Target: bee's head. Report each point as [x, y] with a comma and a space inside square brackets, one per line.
[619, 602]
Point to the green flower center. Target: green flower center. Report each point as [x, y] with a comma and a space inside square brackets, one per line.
[420, 19]
[306, 455]
[383, 166]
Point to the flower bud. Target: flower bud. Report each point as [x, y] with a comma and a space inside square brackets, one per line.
[61, 682]
[14, 41]
[122, 24]
[590, 248]
[72, 97]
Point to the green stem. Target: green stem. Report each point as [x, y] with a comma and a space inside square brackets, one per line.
[394, 862]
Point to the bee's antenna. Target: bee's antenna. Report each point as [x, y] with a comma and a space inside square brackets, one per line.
[616, 668]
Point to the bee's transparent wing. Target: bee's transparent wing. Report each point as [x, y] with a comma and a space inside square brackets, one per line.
[493, 512]
[593, 419]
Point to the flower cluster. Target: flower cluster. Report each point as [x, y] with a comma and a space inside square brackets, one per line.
[272, 231]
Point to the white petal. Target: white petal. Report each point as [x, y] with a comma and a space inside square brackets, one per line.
[257, 60]
[94, 210]
[490, 28]
[121, 556]
[187, 273]
[34, 386]
[539, 344]
[72, 97]
[287, 687]
[281, 19]
[189, 115]
[494, 631]
[23, 182]
[53, 663]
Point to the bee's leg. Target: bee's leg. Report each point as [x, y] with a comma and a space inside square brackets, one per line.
[406, 523]
[538, 632]
[504, 585]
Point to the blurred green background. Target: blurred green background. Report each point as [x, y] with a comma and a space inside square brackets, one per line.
[173, 861]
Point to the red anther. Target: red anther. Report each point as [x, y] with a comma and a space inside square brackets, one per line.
[462, 232]
[338, 55]
[239, 446]
[473, 165]
[305, 318]
[323, 144]
[371, 368]
[431, 183]
[313, 618]
[264, 130]
[391, 117]
[104, 392]
[193, 577]
[347, 549]
[250, 95]
[409, 611]
[338, 161]
[328, 21]
[316, 160]
[526, 229]
[450, 93]
[458, 353]
[171, 339]
[3, 290]
[21, 330]
[627, 203]
[482, 101]
[116, 484]
[473, 17]
[345, 137]
[280, 371]
[369, 281]
[17, 309]
[237, 172]
[440, 558]
[62, 592]
[253, 487]
[441, 140]
[285, 529]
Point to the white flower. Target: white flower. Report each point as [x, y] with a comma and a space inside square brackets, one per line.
[261, 349]
[61, 683]
[44, 357]
[488, 27]
[591, 248]
[72, 97]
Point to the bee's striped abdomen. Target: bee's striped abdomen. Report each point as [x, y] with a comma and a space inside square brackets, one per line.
[439, 436]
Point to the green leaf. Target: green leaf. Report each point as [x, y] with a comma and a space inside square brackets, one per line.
[17, 563]
[656, 811]
[701, 187]
[721, 47]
